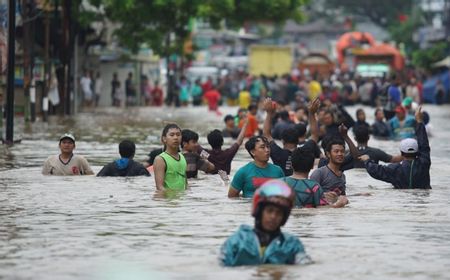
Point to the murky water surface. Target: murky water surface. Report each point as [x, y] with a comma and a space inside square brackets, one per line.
[116, 228]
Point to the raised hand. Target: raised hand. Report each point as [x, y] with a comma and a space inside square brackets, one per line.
[419, 114]
[343, 130]
[268, 105]
[313, 106]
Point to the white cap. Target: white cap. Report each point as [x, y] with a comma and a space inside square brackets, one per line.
[409, 146]
[67, 136]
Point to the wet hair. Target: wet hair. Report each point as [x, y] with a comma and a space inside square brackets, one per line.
[409, 155]
[327, 138]
[361, 133]
[127, 148]
[290, 135]
[252, 107]
[251, 143]
[280, 102]
[227, 118]
[241, 110]
[328, 112]
[302, 160]
[215, 139]
[188, 135]
[301, 107]
[360, 110]
[376, 111]
[168, 127]
[301, 129]
[284, 115]
[393, 77]
[334, 141]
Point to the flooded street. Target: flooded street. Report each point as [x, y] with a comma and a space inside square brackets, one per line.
[116, 228]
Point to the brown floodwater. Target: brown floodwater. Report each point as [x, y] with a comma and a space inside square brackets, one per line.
[116, 228]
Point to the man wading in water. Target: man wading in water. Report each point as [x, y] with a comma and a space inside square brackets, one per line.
[170, 165]
[265, 243]
[66, 163]
[413, 172]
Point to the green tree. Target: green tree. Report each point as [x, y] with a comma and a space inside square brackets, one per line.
[403, 32]
[426, 57]
[164, 24]
[381, 12]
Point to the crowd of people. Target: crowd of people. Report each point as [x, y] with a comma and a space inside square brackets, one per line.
[241, 88]
[278, 177]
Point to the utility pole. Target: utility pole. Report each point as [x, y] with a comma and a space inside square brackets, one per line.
[27, 57]
[66, 53]
[10, 79]
[46, 64]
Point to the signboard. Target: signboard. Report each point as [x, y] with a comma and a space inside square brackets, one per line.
[372, 70]
[428, 34]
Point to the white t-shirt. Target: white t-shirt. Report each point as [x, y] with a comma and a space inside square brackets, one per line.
[86, 85]
[77, 165]
[98, 85]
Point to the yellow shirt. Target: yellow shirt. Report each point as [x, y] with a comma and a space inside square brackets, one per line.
[244, 99]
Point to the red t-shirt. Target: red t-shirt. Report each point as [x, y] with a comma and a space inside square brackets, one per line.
[252, 126]
[213, 97]
[157, 95]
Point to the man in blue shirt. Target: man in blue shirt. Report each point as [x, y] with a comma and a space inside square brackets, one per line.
[252, 175]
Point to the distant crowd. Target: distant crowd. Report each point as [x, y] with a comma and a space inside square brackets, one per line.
[241, 88]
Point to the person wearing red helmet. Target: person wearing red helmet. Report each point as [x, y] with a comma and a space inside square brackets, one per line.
[265, 243]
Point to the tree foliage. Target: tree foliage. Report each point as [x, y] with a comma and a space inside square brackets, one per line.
[426, 57]
[164, 24]
[403, 32]
[381, 12]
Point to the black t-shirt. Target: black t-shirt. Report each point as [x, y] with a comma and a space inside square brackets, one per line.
[133, 169]
[311, 146]
[380, 129]
[153, 154]
[374, 154]
[332, 131]
[281, 157]
[361, 123]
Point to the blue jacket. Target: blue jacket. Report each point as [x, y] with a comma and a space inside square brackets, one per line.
[243, 248]
[408, 174]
